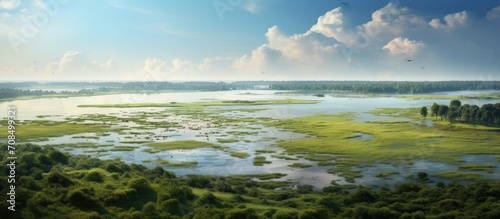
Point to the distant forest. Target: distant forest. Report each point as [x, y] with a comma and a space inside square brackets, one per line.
[17, 89]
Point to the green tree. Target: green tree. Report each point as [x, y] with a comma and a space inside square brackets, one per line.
[423, 111]
[452, 116]
[435, 109]
[443, 110]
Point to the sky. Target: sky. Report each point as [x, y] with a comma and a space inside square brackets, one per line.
[231, 40]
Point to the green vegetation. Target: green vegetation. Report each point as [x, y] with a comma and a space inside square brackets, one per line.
[456, 175]
[227, 140]
[240, 154]
[123, 148]
[386, 174]
[44, 129]
[478, 167]
[52, 184]
[300, 165]
[260, 161]
[394, 143]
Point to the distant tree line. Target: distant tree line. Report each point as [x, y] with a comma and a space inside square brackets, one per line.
[13, 93]
[402, 87]
[487, 114]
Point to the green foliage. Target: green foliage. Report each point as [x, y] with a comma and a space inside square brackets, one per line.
[72, 191]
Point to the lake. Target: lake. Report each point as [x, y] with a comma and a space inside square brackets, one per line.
[249, 137]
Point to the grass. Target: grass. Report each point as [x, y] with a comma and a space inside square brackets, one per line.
[386, 174]
[184, 145]
[123, 148]
[266, 176]
[260, 161]
[478, 167]
[204, 104]
[300, 165]
[456, 175]
[394, 143]
[41, 129]
[241, 155]
[226, 140]
[162, 162]
[283, 157]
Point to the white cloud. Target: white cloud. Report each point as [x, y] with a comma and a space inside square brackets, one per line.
[403, 46]
[251, 6]
[494, 13]
[392, 19]
[75, 62]
[451, 21]
[332, 25]
[9, 4]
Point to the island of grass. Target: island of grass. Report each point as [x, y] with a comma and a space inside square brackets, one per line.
[300, 165]
[44, 129]
[167, 163]
[394, 143]
[260, 161]
[241, 155]
[386, 174]
[204, 104]
[182, 145]
[478, 167]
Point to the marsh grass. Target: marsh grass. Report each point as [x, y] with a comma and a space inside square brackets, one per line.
[260, 161]
[478, 167]
[123, 148]
[456, 175]
[241, 155]
[44, 129]
[300, 165]
[182, 145]
[386, 174]
[393, 143]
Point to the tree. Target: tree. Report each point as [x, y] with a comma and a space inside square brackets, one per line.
[443, 110]
[452, 116]
[435, 109]
[423, 111]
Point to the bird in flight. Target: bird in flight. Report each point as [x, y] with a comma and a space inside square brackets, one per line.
[410, 60]
[345, 3]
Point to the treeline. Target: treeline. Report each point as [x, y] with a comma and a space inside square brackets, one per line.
[401, 87]
[13, 93]
[51, 184]
[487, 114]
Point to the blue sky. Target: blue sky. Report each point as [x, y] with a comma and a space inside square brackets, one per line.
[249, 40]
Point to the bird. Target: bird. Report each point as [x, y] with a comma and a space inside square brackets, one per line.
[410, 60]
[345, 3]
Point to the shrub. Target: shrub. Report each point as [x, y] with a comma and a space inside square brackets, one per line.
[94, 176]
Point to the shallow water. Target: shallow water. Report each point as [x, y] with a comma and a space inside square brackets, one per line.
[218, 162]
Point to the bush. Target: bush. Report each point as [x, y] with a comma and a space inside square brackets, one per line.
[94, 176]
[247, 213]
[58, 178]
[140, 184]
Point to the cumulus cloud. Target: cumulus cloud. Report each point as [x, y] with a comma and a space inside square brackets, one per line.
[493, 14]
[75, 62]
[393, 19]
[332, 25]
[9, 4]
[451, 21]
[403, 46]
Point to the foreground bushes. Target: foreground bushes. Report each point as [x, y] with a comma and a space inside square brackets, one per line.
[51, 184]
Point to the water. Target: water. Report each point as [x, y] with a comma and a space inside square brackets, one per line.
[220, 162]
